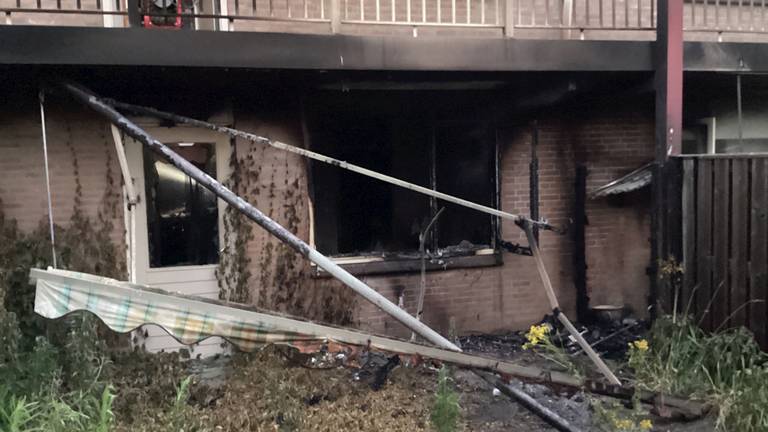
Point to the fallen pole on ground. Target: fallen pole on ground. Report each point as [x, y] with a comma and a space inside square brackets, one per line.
[124, 306]
[131, 129]
[529, 402]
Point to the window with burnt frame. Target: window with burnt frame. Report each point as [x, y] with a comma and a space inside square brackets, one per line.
[357, 215]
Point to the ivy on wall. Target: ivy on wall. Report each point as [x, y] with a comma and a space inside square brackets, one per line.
[76, 342]
[278, 279]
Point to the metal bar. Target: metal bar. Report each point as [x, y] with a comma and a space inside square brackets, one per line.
[439, 4]
[44, 133]
[602, 21]
[131, 129]
[322, 158]
[626, 13]
[529, 402]
[639, 13]
[424, 10]
[422, 251]
[738, 108]
[362, 10]
[693, 13]
[322, 9]
[378, 10]
[408, 10]
[550, 292]
[306, 10]
[482, 11]
[394, 15]
[469, 11]
[134, 14]
[546, 13]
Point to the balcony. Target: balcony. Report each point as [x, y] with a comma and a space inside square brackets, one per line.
[704, 20]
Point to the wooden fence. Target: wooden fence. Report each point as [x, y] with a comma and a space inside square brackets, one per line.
[724, 240]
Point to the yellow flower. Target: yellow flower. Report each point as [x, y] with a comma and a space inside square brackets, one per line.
[624, 424]
[641, 344]
[646, 424]
[536, 334]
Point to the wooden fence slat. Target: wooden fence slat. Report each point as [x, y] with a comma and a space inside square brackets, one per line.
[739, 243]
[703, 238]
[758, 263]
[689, 234]
[718, 296]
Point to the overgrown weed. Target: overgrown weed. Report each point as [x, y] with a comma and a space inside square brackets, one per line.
[725, 368]
[445, 411]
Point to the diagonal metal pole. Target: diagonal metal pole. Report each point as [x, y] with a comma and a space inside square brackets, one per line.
[604, 369]
[131, 129]
[235, 133]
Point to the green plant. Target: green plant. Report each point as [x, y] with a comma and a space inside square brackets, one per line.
[539, 341]
[445, 411]
[615, 418]
[726, 368]
[16, 414]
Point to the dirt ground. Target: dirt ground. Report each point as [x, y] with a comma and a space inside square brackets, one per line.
[276, 389]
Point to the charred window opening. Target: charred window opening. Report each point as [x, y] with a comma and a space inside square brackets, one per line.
[357, 215]
[182, 215]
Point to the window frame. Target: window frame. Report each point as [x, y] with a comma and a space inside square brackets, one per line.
[364, 264]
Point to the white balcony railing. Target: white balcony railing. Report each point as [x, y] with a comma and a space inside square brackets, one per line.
[585, 19]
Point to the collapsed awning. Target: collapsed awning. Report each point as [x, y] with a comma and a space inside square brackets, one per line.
[635, 180]
[124, 307]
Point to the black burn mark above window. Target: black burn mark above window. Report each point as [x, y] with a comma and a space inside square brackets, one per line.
[182, 215]
[398, 136]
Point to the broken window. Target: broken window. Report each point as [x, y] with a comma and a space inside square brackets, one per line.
[182, 215]
[357, 215]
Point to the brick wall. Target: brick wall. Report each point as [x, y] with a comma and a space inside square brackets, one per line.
[76, 142]
[611, 142]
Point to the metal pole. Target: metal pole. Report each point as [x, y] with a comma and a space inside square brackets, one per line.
[738, 103]
[41, 97]
[131, 129]
[529, 402]
[423, 288]
[560, 315]
[322, 158]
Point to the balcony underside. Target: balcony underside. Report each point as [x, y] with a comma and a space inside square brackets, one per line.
[40, 45]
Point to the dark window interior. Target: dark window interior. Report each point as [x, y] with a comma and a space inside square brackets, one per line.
[356, 215]
[182, 215]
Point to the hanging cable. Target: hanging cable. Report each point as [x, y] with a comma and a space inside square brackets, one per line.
[41, 96]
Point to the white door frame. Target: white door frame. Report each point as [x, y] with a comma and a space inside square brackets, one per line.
[190, 280]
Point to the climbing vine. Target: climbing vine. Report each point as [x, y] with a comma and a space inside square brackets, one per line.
[262, 270]
[75, 344]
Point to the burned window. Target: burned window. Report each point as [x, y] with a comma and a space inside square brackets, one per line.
[182, 215]
[358, 215]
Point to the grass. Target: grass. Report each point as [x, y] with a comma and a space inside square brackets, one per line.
[445, 411]
[726, 368]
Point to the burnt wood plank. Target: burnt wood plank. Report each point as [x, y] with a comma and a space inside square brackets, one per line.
[689, 234]
[739, 243]
[703, 239]
[718, 296]
[758, 254]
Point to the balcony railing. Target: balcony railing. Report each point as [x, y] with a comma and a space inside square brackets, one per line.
[572, 19]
